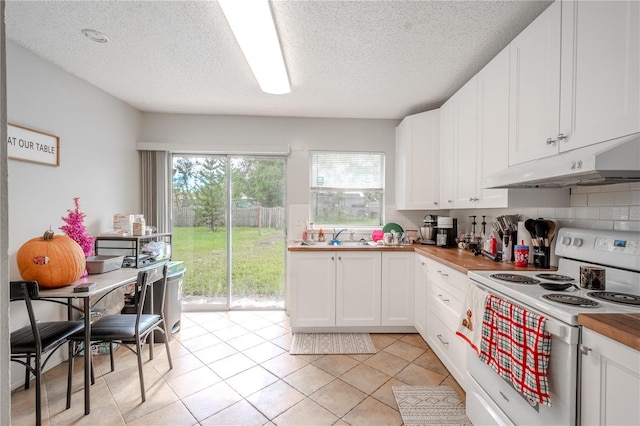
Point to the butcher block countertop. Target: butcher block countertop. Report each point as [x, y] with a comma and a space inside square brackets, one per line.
[458, 259]
[623, 328]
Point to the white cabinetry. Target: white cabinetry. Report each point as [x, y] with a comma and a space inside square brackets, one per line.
[610, 385]
[600, 71]
[446, 290]
[357, 288]
[417, 162]
[574, 78]
[493, 129]
[420, 296]
[447, 145]
[465, 145]
[397, 289]
[313, 293]
[535, 88]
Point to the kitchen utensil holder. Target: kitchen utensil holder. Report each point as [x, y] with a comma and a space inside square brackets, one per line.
[542, 257]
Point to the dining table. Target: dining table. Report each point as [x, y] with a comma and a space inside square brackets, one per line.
[103, 284]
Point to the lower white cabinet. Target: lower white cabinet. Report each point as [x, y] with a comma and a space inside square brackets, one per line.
[610, 383]
[446, 290]
[420, 296]
[350, 289]
[357, 288]
[397, 288]
[313, 296]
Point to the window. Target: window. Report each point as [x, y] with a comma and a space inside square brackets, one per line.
[346, 188]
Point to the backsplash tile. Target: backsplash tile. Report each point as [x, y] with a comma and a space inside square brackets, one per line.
[601, 199]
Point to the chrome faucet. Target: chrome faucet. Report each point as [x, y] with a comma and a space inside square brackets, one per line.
[336, 235]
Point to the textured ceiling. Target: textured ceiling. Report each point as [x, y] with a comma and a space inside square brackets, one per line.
[357, 59]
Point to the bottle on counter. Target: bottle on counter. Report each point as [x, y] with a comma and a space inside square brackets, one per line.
[493, 245]
[321, 235]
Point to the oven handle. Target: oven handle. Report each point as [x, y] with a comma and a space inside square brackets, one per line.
[565, 332]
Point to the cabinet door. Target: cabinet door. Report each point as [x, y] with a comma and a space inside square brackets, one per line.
[420, 296]
[418, 162]
[313, 290]
[493, 128]
[610, 385]
[447, 141]
[535, 88]
[600, 71]
[465, 149]
[358, 288]
[398, 271]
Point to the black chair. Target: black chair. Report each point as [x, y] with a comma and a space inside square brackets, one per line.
[132, 330]
[38, 339]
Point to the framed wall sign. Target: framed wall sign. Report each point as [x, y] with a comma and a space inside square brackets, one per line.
[33, 146]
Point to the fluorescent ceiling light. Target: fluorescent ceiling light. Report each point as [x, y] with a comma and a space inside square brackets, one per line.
[252, 24]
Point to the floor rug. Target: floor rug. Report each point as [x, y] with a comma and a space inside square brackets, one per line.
[430, 405]
[331, 343]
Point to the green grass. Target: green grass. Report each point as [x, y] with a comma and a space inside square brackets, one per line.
[257, 267]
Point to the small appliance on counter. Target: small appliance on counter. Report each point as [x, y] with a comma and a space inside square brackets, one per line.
[429, 230]
[447, 232]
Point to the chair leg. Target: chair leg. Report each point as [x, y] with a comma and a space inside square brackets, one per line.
[139, 355]
[27, 373]
[70, 372]
[166, 344]
[113, 365]
[38, 375]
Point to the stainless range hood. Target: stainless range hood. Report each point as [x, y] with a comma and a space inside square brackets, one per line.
[615, 161]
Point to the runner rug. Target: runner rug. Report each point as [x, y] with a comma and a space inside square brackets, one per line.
[430, 405]
[331, 343]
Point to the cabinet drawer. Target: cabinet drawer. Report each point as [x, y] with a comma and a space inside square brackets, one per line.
[444, 297]
[450, 348]
[448, 276]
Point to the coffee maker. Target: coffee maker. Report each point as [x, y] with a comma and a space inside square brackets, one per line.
[429, 230]
[447, 232]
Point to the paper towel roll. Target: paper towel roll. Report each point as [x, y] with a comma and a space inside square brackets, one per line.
[524, 235]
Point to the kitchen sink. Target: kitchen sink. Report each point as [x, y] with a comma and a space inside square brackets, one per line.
[348, 243]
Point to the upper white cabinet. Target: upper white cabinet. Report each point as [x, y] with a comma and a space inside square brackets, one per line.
[465, 145]
[534, 109]
[493, 129]
[574, 78]
[600, 71]
[447, 142]
[417, 162]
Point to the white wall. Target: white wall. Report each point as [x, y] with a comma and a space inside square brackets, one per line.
[98, 158]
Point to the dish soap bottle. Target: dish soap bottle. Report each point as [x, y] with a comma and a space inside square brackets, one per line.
[321, 235]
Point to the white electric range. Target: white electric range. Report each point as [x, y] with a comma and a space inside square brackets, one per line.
[492, 400]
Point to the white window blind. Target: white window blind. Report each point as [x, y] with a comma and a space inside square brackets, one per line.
[346, 188]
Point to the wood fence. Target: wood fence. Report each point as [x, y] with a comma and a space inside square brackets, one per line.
[259, 217]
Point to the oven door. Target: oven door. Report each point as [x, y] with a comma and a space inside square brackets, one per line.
[494, 401]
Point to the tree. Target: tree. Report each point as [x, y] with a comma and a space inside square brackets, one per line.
[259, 180]
[209, 195]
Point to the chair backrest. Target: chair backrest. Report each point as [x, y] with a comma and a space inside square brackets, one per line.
[146, 278]
[27, 290]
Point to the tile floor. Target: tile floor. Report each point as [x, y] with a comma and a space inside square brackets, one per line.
[234, 368]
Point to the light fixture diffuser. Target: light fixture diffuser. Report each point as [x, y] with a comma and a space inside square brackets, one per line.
[252, 24]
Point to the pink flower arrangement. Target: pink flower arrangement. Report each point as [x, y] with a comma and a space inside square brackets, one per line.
[76, 230]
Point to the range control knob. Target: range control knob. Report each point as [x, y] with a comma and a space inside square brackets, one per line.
[577, 242]
[565, 241]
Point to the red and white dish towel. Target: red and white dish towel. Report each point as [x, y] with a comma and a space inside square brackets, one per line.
[470, 323]
[516, 345]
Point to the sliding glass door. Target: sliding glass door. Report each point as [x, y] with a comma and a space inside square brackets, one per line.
[229, 229]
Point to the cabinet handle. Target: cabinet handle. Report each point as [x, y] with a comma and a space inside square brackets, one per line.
[471, 198]
[449, 201]
[443, 299]
[333, 258]
[584, 350]
[561, 137]
[443, 274]
[444, 342]
[435, 203]
[340, 258]
[550, 141]
[504, 396]
[423, 264]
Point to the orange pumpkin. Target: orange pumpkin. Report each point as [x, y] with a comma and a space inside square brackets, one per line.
[52, 260]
